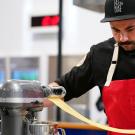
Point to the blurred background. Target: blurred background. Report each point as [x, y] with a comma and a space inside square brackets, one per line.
[43, 39]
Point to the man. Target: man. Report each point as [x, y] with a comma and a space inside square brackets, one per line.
[111, 66]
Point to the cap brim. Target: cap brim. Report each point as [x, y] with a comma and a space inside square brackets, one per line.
[118, 18]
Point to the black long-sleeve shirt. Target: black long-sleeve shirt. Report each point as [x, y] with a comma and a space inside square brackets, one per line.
[93, 71]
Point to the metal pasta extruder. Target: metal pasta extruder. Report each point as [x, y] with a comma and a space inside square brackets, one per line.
[19, 102]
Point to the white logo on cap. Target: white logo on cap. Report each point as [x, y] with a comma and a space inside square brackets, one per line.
[118, 6]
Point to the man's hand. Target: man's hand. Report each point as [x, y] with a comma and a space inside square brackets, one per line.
[46, 102]
[53, 84]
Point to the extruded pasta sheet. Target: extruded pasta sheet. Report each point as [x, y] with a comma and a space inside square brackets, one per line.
[65, 107]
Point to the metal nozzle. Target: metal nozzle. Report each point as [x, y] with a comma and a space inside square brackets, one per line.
[56, 91]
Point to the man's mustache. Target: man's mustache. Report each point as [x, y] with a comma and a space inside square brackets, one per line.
[126, 43]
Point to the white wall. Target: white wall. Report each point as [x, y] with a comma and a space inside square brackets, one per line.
[82, 28]
[10, 24]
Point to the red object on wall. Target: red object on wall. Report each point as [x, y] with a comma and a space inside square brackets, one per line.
[46, 21]
[50, 20]
[55, 20]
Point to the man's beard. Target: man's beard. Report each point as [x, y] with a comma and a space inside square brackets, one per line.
[126, 43]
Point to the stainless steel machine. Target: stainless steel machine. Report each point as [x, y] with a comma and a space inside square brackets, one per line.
[19, 102]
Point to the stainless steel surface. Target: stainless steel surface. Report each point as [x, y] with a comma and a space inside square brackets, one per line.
[43, 128]
[21, 89]
[95, 5]
[19, 102]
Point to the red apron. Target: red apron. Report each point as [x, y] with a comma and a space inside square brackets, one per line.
[119, 99]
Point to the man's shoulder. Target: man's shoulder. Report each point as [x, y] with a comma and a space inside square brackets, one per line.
[102, 56]
[105, 45]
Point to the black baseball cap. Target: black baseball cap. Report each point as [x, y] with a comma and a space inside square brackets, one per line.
[119, 10]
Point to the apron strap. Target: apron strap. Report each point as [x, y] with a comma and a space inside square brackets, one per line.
[113, 65]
